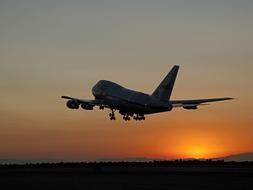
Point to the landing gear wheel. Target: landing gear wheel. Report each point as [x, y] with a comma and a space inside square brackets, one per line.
[126, 118]
[139, 117]
[112, 118]
[112, 115]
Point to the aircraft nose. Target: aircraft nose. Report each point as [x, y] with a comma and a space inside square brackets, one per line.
[96, 90]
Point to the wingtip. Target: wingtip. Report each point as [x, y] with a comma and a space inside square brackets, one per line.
[229, 98]
[65, 97]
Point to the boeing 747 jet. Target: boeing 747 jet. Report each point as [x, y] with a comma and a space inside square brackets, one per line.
[135, 104]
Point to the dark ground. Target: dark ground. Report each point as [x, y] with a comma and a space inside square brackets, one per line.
[160, 175]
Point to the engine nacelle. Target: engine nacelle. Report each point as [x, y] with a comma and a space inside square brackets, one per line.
[190, 107]
[87, 106]
[71, 104]
[169, 108]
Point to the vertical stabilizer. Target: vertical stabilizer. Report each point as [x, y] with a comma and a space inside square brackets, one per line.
[164, 90]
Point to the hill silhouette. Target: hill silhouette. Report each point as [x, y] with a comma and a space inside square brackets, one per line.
[238, 157]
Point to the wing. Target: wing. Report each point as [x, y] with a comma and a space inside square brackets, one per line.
[193, 104]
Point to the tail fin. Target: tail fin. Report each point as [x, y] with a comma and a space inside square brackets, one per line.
[164, 90]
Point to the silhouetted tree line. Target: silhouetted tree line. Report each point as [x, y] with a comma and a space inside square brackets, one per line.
[154, 163]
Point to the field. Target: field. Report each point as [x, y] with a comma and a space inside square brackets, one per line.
[128, 176]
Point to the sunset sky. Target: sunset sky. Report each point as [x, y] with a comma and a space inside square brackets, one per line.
[51, 48]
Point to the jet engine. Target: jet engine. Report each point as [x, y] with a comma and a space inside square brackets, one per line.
[87, 106]
[170, 107]
[190, 107]
[72, 104]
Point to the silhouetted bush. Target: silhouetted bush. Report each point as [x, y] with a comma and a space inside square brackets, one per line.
[155, 163]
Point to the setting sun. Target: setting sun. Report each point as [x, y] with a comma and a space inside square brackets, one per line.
[192, 142]
[198, 152]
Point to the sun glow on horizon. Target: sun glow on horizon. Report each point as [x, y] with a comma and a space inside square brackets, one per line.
[199, 152]
[196, 144]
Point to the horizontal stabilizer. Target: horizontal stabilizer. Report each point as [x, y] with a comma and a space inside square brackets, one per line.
[197, 102]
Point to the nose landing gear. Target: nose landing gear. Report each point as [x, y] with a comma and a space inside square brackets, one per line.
[112, 115]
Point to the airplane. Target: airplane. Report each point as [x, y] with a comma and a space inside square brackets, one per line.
[136, 104]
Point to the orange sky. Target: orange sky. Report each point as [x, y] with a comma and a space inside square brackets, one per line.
[49, 49]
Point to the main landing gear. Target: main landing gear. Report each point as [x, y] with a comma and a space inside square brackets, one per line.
[139, 117]
[112, 115]
[126, 117]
